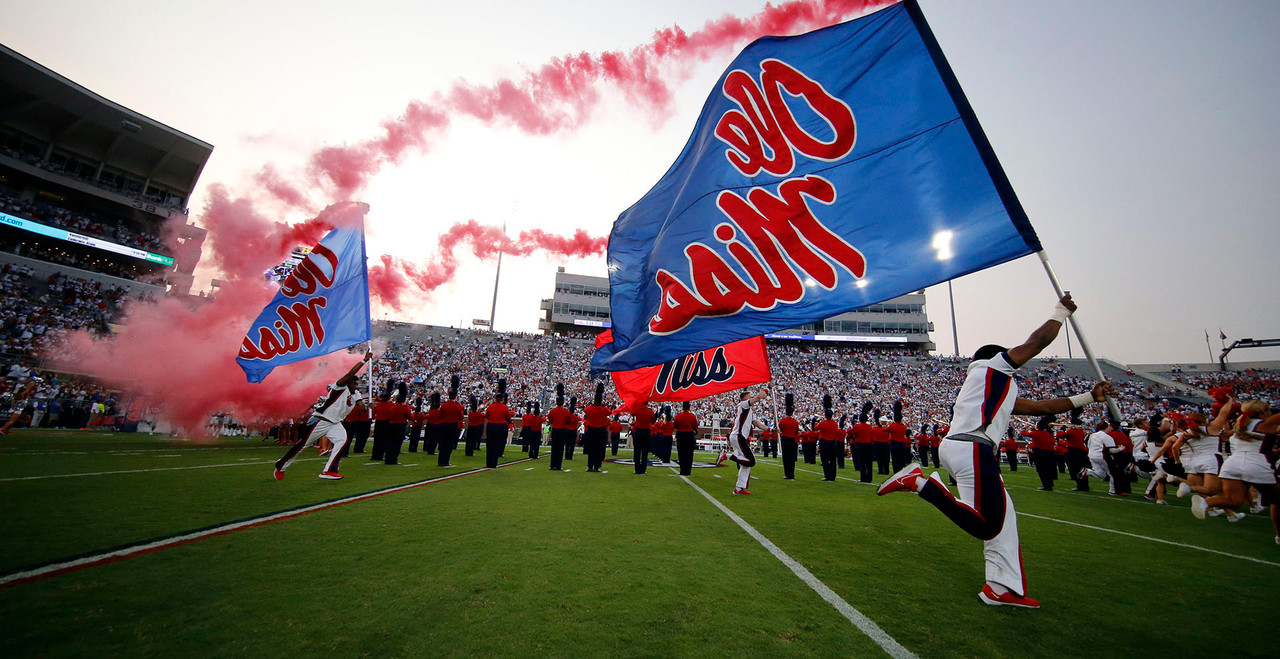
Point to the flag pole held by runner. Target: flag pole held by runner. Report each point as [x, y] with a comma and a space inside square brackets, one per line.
[1075, 324]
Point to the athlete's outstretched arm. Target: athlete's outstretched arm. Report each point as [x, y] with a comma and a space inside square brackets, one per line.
[1269, 425]
[350, 377]
[1221, 421]
[1099, 393]
[1045, 334]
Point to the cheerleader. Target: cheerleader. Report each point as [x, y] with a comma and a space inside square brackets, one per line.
[1200, 459]
[1249, 462]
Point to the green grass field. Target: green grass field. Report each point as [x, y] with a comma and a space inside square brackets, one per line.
[522, 561]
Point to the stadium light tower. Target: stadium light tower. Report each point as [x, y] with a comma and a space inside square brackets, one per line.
[496, 274]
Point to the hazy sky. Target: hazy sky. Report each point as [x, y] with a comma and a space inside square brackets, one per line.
[1139, 135]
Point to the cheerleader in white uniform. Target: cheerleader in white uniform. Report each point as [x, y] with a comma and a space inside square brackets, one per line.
[1250, 462]
[1198, 452]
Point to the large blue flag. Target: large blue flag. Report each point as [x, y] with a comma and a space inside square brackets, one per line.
[827, 171]
[322, 306]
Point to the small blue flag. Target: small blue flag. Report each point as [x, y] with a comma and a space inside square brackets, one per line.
[827, 172]
[322, 307]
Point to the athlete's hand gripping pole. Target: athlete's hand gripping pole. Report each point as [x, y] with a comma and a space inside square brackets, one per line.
[1112, 407]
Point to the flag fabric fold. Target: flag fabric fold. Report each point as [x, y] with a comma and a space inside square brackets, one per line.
[322, 307]
[697, 375]
[827, 172]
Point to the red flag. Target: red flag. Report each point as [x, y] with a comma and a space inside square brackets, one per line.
[701, 374]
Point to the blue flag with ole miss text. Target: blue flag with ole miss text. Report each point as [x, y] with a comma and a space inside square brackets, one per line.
[827, 172]
[322, 307]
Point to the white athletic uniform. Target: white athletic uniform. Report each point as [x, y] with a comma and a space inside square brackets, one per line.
[1247, 462]
[1098, 444]
[738, 443]
[1200, 455]
[1152, 449]
[982, 409]
[326, 421]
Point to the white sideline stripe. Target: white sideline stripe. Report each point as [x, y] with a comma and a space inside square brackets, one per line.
[1165, 542]
[143, 471]
[125, 552]
[862, 622]
[144, 450]
[1099, 528]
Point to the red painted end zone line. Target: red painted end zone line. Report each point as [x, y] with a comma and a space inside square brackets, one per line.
[94, 560]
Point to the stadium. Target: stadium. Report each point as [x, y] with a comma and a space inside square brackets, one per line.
[508, 493]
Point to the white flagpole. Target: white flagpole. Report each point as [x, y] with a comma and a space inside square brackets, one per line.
[1112, 407]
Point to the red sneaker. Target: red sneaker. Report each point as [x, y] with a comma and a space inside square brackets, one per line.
[331, 475]
[279, 475]
[738, 490]
[906, 480]
[989, 597]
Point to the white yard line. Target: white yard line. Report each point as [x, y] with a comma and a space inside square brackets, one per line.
[862, 622]
[143, 471]
[1143, 537]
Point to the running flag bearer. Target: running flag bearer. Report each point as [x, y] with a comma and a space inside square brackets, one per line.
[740, 438]
[327, 422]
[984, 510]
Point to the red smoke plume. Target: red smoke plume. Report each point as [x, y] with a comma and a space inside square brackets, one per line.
[561, 94]
[393, 277]
[182, 355]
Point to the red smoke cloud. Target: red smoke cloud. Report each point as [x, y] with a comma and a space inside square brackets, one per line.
[182, 355]
[561, 94]
[391, 279]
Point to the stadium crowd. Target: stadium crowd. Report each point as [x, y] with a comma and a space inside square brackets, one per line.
[81, 222]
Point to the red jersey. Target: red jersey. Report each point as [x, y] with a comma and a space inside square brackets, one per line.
[398, 413]
[597, 416]
[789, 427]
[934, 441]
[808, 437]
[574, 421]
[897, 432]
[1075, 437]
[1009, 445]
[475, 418]
[863, 433]
[615, 428]
[381, 409]
[880, 435]
[433, 417]
[526, 421]
[559, 418]
[686, 422]
[1041, 439]
[829, 430]
[1122, 441]
[451, 411]
[642, 418]
[536, 422]
[497, 413]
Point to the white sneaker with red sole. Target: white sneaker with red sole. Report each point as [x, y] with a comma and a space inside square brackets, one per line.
[906, 480]
[331, 475]
[723, 456]
[990, 598]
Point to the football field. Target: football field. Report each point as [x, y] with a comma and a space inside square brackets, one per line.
[130, 545]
